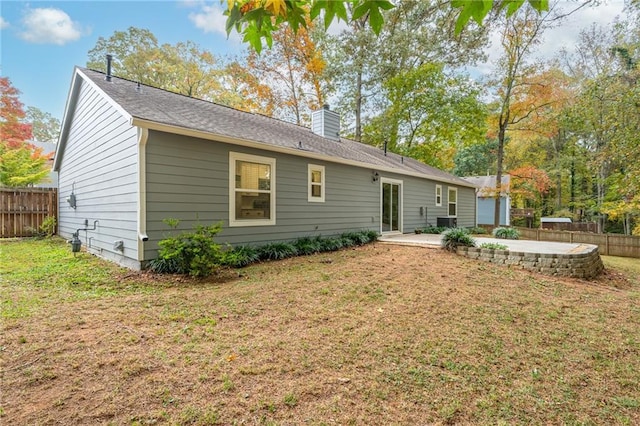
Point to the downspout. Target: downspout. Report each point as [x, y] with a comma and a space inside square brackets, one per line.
[143, 135]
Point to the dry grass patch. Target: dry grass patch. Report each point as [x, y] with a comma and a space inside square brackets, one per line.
[376, 335]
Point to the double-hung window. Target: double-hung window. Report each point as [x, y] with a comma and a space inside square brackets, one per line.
[316, 183]
[438, 195]
[453, 201]
[252, 190]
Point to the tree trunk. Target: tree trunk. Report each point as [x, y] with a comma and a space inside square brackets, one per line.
[600, 196]
[358, 130]
[501, 136]
[572, 205]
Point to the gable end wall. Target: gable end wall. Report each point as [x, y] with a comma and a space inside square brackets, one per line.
[100, 166]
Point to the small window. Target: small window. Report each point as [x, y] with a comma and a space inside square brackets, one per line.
[316, 184]
[438, 195]
[453, 201]
[252, 195]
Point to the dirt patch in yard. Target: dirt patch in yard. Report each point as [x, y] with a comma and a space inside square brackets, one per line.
[381, 334]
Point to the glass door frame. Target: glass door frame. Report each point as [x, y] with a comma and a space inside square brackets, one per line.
[399, 185]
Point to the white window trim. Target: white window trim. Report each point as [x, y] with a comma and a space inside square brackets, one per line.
[235, 156]
[449, 189]
[315, 168]
[438, 192]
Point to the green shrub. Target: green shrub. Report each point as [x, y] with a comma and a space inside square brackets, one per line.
[331, 244]
[165, 266]
[194, 253]
[372, 236]
[277, 251]
[306, 245]
[174, 249]
[493, 246]
[506, 233]
[347, 242]
[358, 238]
[454, 237]
[47, 229]
[477, 230]
[240, 256]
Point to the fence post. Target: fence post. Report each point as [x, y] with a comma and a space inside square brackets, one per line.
[606, 236]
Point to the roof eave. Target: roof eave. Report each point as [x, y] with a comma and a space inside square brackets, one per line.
[167, 128]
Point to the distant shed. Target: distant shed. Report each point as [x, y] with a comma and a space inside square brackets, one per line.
[555, 223]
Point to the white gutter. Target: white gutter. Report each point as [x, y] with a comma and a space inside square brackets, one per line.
[143, 136]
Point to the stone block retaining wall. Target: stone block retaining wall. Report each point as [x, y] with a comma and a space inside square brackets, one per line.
[580, 265]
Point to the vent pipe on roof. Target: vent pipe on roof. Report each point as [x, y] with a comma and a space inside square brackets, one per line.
[325, 122]
[109, 59]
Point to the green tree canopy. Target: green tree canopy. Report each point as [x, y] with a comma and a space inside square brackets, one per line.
[430, 115]
[476, 159]
[21, 164]
[256, 20]
[45, 127]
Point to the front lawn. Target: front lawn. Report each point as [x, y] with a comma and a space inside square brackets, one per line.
[380, 334]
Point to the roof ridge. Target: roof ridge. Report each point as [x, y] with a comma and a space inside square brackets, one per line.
[257, 114]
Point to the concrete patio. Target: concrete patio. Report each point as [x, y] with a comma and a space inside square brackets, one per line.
[522, 246]
[550, 258]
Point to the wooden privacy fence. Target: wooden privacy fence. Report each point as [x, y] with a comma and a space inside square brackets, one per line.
[24, 209]
[608, 244]
[571, 226]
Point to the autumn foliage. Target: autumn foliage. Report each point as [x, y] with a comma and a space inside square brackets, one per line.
[21, 163]
[529, 185]
[12, 130]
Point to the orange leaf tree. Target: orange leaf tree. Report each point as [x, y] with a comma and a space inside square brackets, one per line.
[21, 164]
[529, 186]
[293, 69]
[12, 129]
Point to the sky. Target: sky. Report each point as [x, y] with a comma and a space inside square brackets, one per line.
[42, 41]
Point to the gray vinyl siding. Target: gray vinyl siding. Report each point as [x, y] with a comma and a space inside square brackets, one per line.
[466, 207]
[100, 164]
[187, 179]
[419, 192]
[326, 123]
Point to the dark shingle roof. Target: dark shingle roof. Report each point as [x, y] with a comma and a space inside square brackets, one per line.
[168, 108]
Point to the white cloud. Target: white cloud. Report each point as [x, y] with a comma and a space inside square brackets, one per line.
[3, 24]
[210, 20]
[565, 36]
[49, 25]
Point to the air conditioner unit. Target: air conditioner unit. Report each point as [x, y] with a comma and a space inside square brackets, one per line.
[447, 222]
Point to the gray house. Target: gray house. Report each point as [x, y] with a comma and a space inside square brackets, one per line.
[131, 155]
[486, 199]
